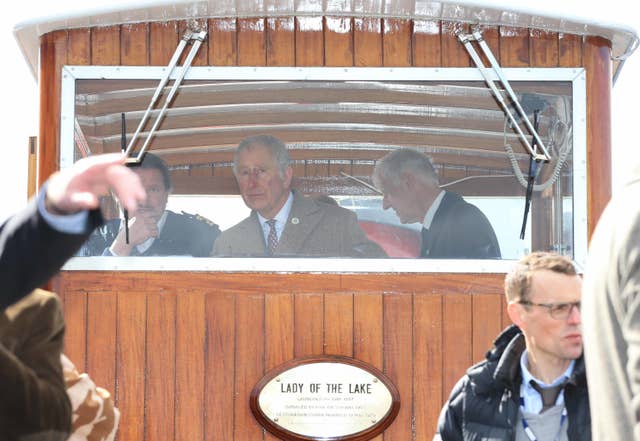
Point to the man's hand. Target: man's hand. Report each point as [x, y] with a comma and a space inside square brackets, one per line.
[80, 186]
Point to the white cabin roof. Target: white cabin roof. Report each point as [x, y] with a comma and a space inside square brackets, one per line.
[552, 18]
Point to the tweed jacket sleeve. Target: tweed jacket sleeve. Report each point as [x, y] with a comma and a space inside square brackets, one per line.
[34, 395]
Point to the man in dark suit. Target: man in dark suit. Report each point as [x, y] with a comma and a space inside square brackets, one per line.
[36, 242]
[283, 222]
[154, 230]
[451, 227]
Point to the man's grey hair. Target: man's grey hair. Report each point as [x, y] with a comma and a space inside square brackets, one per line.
[391, 167]
[276, 148]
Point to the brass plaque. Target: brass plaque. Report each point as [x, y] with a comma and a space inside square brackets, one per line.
[325, 398]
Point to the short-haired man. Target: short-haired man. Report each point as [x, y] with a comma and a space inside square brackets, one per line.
[451, 227]
[154, 230]
[284, 222]
[532, 384]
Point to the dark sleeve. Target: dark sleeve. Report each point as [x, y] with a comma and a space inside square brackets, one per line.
[31, 252]
[450, 420]
[34, 394]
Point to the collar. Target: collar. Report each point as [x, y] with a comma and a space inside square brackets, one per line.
[431, 212]
[281, 217]
[532, 399]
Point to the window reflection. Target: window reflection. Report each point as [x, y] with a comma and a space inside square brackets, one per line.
[336, 130]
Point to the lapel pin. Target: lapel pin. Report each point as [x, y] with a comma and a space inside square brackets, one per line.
[295, 220]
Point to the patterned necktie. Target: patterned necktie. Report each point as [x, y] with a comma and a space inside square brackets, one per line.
[272, 238]
[549, 394]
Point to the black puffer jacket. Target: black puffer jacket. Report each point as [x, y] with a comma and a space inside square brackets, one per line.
[484, 404]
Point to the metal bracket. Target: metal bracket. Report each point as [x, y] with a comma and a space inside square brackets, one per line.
[197, 37]
[466, 40]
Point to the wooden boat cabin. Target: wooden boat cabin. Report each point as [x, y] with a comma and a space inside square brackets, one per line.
[182, 341]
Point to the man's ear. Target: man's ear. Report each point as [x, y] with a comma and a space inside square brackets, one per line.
[514, 310]
[288, 175]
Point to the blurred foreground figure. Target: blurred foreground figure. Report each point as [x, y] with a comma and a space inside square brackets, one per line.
[612, 317]
[37, 241]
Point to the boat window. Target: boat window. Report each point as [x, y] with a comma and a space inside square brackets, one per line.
[337, 124]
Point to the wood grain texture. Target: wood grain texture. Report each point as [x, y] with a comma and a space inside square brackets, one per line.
[597, 57]
[252, 47]
[338, 39]
[105, 46]
[281, 47]
[131, 370]
[160, 367]
[309, 41]
[367, 42]
[102, 335]
[134, 44]
[396, 42]
[191, 350]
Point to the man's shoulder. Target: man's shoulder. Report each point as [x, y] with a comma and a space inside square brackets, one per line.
[196, 220]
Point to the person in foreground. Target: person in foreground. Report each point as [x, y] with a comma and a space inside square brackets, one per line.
[532, 384]
[36, 242]
[154, 230]
[284, 222]
[612, 317]
[451, 227]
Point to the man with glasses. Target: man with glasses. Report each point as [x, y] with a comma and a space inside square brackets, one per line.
[532, 384]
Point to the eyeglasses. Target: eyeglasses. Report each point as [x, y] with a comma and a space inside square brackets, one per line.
[558, 311]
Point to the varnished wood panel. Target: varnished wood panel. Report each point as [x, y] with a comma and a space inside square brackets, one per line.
[514, 47]
[79, 46]
[53, 55]
[134, 44]
[191, 348]
[485, 331]
[220, 365]
[398, 359]
[281, 49]
[159, 415]
[309, 335]
[338, 324]
[427, 50]
[131, 364]
[453, 52]
[597, 56]
[223, 48]
[569, 50]
[544, 48]
[309, 41]
[101, 330]
[367, 42]
[250, 365]
[396, 42]
[75, 317]
[338, 39]
[251, 42]
[163, 41]
[457, 351]
[105, 46]
[428, 363]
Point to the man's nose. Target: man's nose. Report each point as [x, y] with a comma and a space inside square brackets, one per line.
[574, 315]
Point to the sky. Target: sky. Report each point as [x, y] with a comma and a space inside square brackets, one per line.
[19, 112]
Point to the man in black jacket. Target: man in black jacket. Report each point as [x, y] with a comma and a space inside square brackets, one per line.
[451, 227]
[532, 384]
[154, 230]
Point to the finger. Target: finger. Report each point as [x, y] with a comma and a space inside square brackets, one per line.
[127, 186]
